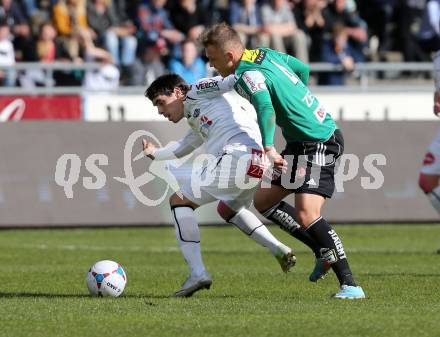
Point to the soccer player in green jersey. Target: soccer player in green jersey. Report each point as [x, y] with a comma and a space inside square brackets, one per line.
[276, 84]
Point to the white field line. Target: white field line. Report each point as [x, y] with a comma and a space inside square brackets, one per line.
[131, 248]
[127, 248]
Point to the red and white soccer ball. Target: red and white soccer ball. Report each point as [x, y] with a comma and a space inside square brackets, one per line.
[106, 278]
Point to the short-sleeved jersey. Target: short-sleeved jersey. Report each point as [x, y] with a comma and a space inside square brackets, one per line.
[276, 84]
[216, 114]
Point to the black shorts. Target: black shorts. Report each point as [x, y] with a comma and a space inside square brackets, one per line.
[311, 166]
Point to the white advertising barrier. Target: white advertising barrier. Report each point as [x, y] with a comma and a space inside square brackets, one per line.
[118, 108]
[343, 106]
[86, 173]
[379, 106]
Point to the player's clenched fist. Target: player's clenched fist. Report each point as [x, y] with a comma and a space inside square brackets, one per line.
[148, 148]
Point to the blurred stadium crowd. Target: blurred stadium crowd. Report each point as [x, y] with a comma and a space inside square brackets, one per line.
[136, 41]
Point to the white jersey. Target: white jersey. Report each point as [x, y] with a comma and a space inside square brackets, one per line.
[216, 115]
[226, 123]
[7, 54]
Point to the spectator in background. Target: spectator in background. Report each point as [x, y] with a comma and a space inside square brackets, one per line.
[189, 17]
[89, 52]
[310, 19]
[107, 76]
[409, 16]
[148, 66]
[126, 10]
[337, 12]
[245, 18]
[378, 15]
[191, 66]
[337, 51]
[219, 9]
[38, 12]
[46, 51]
[50, 49]
[279, 23]
[70, 21]
[11, 12]
[7, 56]
[155, 26]
[105, 79]
[30, 7]
[112, 35]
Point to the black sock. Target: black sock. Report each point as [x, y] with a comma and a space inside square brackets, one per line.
[284, 216]
[327, 237]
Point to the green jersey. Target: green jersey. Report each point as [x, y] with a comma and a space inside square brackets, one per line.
[276, 84]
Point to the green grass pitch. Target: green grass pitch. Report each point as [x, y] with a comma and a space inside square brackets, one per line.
[43, 291]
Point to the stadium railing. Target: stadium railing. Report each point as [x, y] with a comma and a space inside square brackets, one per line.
[364, 73]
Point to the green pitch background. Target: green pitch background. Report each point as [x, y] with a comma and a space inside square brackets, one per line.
[43, 292]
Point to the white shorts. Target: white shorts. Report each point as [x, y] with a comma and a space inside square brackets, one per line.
[431, 162]
[232, 177]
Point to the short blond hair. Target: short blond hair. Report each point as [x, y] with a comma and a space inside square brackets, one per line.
[220, 35]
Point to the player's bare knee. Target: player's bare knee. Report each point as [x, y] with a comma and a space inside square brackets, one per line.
[305, 217]
[302, 217]
[428, 182]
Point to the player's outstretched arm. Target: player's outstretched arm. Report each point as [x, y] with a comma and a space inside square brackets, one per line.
[173, 150]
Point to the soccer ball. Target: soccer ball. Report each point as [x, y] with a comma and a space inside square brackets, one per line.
[106, 278]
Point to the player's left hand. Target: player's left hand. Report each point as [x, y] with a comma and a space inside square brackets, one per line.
[148, 148]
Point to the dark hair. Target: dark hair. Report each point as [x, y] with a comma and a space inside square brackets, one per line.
[220, 35]
[4, 22]
[165, 84]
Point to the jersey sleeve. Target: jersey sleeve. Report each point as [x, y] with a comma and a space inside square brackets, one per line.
[265, 116]
[211, 87]
[255, 85]
[180, 148]
[301, 69]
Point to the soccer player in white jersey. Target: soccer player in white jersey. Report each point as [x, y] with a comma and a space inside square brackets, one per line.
[217, 119]
[429, 179]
